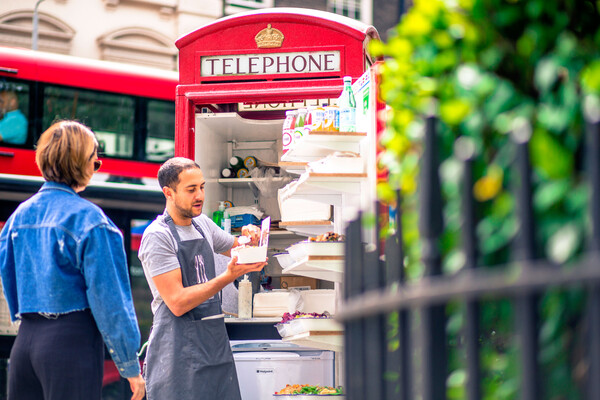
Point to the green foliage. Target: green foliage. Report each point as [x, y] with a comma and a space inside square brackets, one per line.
[485, 67]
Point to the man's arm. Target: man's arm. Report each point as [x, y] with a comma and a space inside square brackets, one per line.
[182, 299]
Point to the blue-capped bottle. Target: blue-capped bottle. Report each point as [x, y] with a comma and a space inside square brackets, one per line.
[347, 106]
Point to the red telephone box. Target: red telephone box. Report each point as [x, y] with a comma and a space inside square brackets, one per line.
[238, 76]
[270, 56]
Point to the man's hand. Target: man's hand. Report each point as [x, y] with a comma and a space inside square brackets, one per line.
[237, 270]
[138, 387]
[253, 233]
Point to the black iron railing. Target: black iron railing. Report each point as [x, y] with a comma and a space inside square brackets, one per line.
[375, 289]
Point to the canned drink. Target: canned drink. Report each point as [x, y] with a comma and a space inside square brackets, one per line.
[332, 119]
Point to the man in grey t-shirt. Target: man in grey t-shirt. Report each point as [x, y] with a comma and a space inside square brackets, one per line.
[158, 250]
[188, 351]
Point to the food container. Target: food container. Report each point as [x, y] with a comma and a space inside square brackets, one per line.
[254, 254]
[307, 396]
[307, 248]
[301, 325]
[249, 255]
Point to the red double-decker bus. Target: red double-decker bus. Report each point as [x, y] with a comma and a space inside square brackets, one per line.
[132, 111]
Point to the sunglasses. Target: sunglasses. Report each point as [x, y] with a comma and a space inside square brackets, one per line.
[97, 163]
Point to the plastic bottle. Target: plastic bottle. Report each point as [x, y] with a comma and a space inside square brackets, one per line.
[226, 221]
[218, 214]
[245, 298]
[236, 163]
[299, 128]
[347, 104]
[287, 134]
[318, 119]
[308, 119]
[332, 119]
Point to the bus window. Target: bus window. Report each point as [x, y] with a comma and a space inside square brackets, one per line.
[14, 113]
[160, 143]
[110, 116]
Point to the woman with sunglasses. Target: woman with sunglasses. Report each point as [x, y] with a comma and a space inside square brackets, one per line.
[64, 274]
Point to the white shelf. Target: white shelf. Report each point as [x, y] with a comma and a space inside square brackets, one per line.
[293, 167]
[231, 126]
[325, 188]
[244, 182]
[329, 268]
[317, 145]
[307, 228]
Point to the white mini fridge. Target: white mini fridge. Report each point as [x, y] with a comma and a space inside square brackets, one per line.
[266, 366]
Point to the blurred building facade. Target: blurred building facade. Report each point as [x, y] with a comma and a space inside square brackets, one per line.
[143, 32]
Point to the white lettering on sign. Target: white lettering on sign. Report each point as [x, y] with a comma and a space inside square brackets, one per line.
[271, 63]
[286, 106]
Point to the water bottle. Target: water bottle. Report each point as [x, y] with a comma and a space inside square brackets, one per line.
[347, 105]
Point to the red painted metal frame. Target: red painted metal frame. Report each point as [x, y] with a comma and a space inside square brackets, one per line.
[304, 30]
[36, 66]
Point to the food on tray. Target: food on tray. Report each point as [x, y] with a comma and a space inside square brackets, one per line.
[310, 389]
[252, 245]
[289, 317]
[328, 237]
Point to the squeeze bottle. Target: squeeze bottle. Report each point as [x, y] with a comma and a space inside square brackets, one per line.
[245, 298]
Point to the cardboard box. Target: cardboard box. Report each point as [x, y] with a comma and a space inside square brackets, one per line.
[288, 282]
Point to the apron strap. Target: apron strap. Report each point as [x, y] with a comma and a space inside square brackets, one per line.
[171, 224]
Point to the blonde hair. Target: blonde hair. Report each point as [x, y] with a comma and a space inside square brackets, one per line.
[63, 153]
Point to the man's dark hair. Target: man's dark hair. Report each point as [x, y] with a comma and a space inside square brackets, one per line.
[168, 174]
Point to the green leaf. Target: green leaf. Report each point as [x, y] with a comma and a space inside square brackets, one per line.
[454, 111]
[549, 156]
[550, 193]
[546, 74]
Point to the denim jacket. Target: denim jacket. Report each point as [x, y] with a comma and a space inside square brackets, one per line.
[60, 253]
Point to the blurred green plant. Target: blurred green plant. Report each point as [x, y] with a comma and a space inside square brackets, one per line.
[484, 67]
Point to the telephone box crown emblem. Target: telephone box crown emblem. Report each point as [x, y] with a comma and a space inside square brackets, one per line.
[269, 38]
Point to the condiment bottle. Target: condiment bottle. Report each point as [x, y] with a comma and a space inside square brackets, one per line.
[245, 298]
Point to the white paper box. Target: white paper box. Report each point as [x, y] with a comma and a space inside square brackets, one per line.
[337, 163]
[249, 255]
[302, 210]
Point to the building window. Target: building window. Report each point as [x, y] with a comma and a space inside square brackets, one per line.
[235, 6]
[347, 8]
[110, 115]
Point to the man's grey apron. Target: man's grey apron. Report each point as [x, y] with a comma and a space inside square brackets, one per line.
[189, 357]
